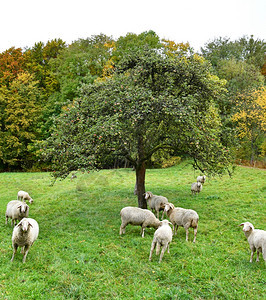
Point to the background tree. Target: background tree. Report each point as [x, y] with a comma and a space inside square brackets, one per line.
[20, 111]
[151, 102]
[250, 120]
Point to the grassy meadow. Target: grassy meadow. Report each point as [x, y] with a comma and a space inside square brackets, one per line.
[80, 255]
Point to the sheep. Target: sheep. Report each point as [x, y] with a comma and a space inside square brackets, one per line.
[16, 210]
[137, 216]
[24, 235]
[182, 217]
[162, 237]
[196, 187]
[155, 202]
[201, 179]
[73, 176]
[24, 196]
[256, 239]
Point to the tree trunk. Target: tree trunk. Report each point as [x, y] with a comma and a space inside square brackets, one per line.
[140, 184]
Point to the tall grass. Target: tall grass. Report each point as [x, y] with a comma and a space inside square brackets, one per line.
[80, 255]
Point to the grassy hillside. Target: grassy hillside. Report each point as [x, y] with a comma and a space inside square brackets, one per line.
[80, 255]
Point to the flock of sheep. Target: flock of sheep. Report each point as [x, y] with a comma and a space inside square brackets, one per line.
[179, 217]
[26, 231]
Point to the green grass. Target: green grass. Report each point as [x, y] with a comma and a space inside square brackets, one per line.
[80, 255]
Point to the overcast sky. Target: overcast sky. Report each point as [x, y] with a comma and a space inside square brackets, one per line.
[25, 22]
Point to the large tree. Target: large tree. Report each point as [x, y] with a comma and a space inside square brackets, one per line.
[151, 102]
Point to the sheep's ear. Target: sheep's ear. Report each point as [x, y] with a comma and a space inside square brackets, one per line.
[171, 205]
[242, 224]
[30, 224]
[19, 207]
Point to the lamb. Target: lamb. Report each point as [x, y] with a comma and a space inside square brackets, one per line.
[156, 203]
[201, 179]
[196, 187]
[162, 237]
[24, 235]
[16, 210]
[137, 216]
[182, 217]
[24, 196]
[256, 239]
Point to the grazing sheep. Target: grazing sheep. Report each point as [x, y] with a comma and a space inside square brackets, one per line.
[24, 196]
[256, 239]
[73, 176]
[201, 179]
[16, 210]
[182, 217]
[24, 235]
[156, 203]
[162, 237]
[196, 187]
[137, 216]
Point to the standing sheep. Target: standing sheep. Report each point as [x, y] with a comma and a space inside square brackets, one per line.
[24, 235]
[162, 237]
[256, 239]
[201, 179]
[24, 196]
[16, 210]
[156, 203]
[196, 187]
[182, 217]
[137, 216]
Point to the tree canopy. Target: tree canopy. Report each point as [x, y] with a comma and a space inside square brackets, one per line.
[151, 102]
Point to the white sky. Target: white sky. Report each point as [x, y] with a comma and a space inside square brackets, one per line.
[25, 22]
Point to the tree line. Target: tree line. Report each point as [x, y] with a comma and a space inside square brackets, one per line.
[98, 101]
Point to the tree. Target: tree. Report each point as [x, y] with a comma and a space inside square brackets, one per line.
[151, 102]
[20, 112]
[250, 118]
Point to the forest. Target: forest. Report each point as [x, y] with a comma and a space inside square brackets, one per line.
[61, 105]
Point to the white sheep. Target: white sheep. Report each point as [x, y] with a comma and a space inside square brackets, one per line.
[256, 239]
[201, 179]
[182, 217]
[137, 216]
[196, 187]
[24, 196]
[24, 235]
[156, 203]
[162, 237]
[16, 210]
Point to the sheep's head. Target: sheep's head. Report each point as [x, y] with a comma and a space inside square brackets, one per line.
[24, 224]
[31, 200]
[247, 226]
[168, 207]
[23, 208]
[198, 184]
[148, 195]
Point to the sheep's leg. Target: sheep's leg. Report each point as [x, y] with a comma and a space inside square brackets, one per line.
[6, 219]
[168, 251]
[175, 229]
[251, 257]
[258, 253]
[162, 253]
[26, 250]
[158, 214]
[186, 234]
[158, 247]
[152, 248]
[15, 248]
[195, 234]
[142, 231]
[123, 228]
